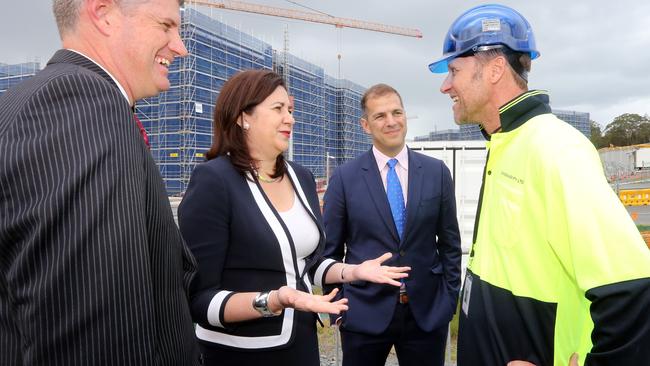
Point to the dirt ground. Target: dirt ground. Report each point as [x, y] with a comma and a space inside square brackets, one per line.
[328, 348]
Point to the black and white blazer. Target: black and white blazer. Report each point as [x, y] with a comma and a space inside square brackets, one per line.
[242, 245]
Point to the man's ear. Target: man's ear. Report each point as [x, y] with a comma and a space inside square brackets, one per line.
[101, 14]
[498, 68]
[364, 124]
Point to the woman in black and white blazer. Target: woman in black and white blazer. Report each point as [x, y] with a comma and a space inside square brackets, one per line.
[253, 221]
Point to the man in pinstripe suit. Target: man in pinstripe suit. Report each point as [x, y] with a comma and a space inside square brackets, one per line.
[93, 270]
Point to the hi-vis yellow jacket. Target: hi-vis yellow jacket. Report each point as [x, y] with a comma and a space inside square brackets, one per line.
[557, 265]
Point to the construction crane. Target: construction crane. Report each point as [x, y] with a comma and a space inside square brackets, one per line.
[308, 17]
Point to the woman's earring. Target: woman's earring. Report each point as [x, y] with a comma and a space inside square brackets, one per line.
[246, 126]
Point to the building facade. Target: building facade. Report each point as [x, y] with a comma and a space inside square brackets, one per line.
[463, 133]
[443, 135]
[579, 120]
[306, 83]
[345, 138]
[179, 121]
[470, 132]
[11, 75]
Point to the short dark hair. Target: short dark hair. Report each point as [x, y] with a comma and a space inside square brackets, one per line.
[241, 94]
[377, 90]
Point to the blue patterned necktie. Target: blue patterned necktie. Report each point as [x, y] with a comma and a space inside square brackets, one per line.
[395, 197]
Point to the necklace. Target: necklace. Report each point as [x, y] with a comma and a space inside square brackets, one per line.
[267, 180]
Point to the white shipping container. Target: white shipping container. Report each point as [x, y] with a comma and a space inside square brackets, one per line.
[642, 158]
[617, 161]
[465, 160]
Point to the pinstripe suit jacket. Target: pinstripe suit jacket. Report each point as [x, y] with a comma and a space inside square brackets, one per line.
[93, 270]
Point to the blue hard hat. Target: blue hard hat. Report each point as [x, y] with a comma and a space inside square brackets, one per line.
[486, 25]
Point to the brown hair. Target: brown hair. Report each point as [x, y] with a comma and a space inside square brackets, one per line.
[378, 90]
[519, 63]
[241, 93]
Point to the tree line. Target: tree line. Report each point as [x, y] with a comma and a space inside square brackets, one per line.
[626, 129]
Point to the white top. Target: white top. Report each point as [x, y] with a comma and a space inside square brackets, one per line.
[303, 230]
[401, 168]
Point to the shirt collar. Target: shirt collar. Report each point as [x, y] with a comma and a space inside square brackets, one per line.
[522, 108]
[402, 158]
[122, 90]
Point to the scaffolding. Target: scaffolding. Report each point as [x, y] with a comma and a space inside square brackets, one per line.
[179, 121]
[355, 139]
[345, 138]
[333, 124]
[306, 86]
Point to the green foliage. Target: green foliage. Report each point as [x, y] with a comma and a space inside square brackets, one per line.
[596, 135]
[626, 129]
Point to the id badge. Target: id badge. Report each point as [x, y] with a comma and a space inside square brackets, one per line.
[467, 292]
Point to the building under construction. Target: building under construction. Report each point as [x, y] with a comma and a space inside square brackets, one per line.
[345, 139]
[179, 121]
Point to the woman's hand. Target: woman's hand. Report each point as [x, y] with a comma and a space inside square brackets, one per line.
[288, 297]
[372, 270]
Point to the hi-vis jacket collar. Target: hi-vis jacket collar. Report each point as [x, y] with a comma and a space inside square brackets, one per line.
[522, 108]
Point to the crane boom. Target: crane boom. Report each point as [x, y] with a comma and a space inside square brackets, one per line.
[307, 16]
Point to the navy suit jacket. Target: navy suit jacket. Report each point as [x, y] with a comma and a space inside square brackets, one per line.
[359, 226]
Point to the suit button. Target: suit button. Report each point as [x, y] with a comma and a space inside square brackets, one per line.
[402, 253]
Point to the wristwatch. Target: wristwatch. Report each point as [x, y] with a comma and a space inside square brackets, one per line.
[261, 304]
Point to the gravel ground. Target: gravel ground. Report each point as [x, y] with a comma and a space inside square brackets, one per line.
[328, 347]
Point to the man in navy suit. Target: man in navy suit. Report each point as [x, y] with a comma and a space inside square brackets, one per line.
[391, 199]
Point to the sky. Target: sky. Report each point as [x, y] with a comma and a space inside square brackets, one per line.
[595, 54]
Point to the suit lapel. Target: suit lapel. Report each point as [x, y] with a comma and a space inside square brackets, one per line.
[371, 176]
[414, 190]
